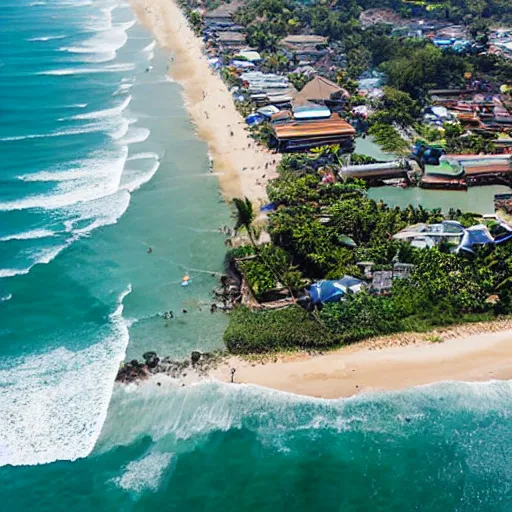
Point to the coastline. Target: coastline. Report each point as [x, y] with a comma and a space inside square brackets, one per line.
[243, 167]
[472, 353]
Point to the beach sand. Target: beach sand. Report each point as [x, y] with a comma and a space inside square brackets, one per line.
[368, 367]
[243, 167]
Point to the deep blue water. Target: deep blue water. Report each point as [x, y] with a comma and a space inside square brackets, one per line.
[99, 162]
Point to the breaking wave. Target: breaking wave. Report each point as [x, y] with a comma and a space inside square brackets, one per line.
[45, 38]
[29, 235]
[108, 112]
[208, 406]
[113, 68]
[103, 181]
[43, 257]
[53, 405]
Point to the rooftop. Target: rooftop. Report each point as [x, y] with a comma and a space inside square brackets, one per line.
[312, 128]
[224, 37]
[303, 40]
[223, 11]
[319, 89]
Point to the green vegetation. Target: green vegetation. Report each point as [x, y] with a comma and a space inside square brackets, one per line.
[265, 331]
[310, 233]
[323, 227]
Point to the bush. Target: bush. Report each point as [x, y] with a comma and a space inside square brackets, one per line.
[361, 316]
[266, 331]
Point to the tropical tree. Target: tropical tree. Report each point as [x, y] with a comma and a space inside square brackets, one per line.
[244, 219]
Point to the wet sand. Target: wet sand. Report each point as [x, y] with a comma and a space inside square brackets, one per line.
[374, 366]
[243, 166]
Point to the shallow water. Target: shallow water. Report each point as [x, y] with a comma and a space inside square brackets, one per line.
[100, 162]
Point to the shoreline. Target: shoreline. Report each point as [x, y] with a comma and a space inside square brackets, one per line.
[471, 353]
[468, 353]
[243, 167]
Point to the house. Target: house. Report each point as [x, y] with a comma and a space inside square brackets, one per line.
[323, 91]
[268, 88]
[295, 135]
[382, 280]
[424, 236]
[305, 47]
[222, 16]
[232, 40]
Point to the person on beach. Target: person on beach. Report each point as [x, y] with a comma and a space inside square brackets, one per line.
[233, 370]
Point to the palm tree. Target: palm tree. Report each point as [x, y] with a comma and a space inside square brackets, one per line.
[244, 216]
[244, 219]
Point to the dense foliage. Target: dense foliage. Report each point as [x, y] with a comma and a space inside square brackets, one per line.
[322, 230]
[283, 329]
[323, 226]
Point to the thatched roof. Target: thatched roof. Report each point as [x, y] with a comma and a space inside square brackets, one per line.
[303, 39]
[319, 89]
[230, 37]
[223, 11]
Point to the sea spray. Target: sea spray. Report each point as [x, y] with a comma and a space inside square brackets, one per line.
[39, 390]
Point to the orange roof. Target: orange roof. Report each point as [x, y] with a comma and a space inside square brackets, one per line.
[487, 169]
[314, 128]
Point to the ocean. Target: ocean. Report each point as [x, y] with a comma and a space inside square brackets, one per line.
[100, 163]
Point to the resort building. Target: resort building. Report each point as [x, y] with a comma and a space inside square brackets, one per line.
[231, 40]
[305, 47]
[295, 134]
[323, 91]
[222, 16]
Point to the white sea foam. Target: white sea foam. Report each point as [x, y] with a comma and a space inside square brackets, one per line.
[101, 47]
[149, 50]
[53, 405]
[208, 406]
[102, 42]
[100, 179]
[5, 298]
[145, 474]
[140, 178]
[113, 68]
[108, 112]
[143, 156]
[101, 212]
[11, 272]
[28, 235]
[43, 256]
[150, 47]
[93, 127]
[135, 135]
[45, 38]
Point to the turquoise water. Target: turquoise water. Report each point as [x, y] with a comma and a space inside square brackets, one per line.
[99, 163]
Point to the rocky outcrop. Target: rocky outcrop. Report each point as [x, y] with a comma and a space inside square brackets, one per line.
[199, 364]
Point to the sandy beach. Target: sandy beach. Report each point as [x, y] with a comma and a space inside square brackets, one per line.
[242, 166]
[468, 353]
[383, 364]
